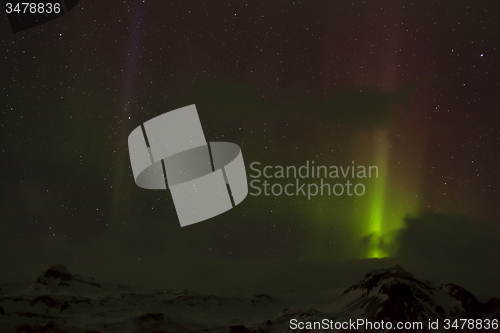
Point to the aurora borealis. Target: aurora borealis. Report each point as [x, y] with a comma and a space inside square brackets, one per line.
[376, 225]
[409, 87]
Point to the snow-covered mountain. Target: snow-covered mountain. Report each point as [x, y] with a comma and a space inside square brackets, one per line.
[62, 302]
[395, 295]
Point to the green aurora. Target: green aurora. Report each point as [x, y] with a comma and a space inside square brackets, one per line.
[365, 226]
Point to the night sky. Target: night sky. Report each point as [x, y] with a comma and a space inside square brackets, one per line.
[410, 87]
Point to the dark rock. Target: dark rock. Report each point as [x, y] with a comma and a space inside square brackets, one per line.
[33, 315]
[239, 329]
[58, 271]
[51, 302]
[440, 310]
[50, 327]
[261, 299]
[2, 311]
[87, 279]
[149, 318]
[470, 303]
[264, 296]
[492, 306]
[60, 275]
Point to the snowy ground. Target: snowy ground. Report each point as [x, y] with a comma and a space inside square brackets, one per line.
[62, 302]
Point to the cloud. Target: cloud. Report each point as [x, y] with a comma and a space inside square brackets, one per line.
[457, 249]
[456, 239]
[353, 106]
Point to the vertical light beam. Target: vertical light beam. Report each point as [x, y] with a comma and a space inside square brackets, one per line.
[375, 228]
